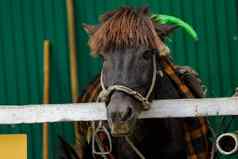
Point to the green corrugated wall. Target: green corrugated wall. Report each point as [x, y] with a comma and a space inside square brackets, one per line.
[24, 24]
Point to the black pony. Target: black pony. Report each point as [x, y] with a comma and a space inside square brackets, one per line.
[137, 69]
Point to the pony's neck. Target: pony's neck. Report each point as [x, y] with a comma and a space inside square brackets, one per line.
[166, 133]
[164, 88]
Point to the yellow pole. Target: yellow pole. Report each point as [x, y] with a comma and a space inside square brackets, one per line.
[72, 49]
[73, 57]
[46, 95]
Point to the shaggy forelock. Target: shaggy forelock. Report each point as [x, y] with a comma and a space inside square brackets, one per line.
[123, 28]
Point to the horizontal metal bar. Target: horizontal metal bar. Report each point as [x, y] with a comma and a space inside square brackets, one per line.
[97, 111]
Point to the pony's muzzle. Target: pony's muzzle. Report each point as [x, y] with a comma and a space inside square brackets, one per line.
[120, 129]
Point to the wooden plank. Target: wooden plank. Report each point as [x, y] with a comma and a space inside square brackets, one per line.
[192, 107]
[52, 113]
[97, 111]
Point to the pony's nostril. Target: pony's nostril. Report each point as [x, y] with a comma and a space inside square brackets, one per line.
[127, 115]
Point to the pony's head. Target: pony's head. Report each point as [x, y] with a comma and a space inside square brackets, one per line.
[129, 44]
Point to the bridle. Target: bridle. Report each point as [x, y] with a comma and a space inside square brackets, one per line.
[105, 94]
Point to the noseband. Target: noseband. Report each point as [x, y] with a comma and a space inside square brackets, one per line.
[105, 94]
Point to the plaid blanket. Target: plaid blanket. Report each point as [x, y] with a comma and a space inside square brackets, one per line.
[196, 129]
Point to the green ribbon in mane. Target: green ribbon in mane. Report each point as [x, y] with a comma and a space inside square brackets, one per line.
[167, 19]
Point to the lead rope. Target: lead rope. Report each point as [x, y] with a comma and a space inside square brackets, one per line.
[134, 148]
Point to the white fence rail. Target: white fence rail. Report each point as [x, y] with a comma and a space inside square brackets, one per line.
[97, 111]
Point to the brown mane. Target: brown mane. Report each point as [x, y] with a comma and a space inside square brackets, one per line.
[124, 28]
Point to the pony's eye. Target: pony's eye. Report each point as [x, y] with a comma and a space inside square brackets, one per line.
[147, 54]
[102, 57]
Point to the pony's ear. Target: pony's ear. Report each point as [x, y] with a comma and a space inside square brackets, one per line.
[144, 10]
[165, 29]
[90, 29]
